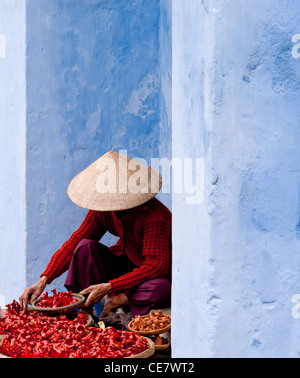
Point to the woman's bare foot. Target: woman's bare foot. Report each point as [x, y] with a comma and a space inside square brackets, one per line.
[114, 301]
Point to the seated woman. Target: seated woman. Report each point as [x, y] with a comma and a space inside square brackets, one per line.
[119, 194]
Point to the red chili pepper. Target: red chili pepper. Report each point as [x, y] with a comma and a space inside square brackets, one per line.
[59, 299]
[35, 335]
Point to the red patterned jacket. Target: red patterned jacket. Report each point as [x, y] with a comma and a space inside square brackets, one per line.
[145, 234]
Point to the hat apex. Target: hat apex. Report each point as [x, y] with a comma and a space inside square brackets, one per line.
[114, 182]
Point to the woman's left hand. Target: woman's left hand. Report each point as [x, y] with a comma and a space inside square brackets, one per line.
[96, 293]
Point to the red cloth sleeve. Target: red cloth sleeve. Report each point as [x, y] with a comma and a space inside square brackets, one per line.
[90, 228]
[156, 254]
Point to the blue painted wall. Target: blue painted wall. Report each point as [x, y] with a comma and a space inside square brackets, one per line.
[98, 77]
[95, 82]
[12, 150]
[258, 167]
[236, 88]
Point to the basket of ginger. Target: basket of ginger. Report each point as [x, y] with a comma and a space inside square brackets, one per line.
[153, 323]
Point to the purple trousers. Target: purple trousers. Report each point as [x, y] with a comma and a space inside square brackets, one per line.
[93, 263]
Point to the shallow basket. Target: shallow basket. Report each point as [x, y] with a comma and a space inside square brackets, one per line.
[59, 310]
[163, 346]
[152, 332]
[147, 353]
[89, 322]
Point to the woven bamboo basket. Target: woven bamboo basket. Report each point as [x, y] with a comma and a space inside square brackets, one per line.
[152, 332]
[147, 353]
[163, 346]
[59, 310]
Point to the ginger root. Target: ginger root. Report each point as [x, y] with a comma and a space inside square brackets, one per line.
[151, 322]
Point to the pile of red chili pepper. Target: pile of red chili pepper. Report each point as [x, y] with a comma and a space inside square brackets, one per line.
[59, 299]
[36, 335]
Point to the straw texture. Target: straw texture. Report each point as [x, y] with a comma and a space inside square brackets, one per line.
[114, 182]
[59, 310]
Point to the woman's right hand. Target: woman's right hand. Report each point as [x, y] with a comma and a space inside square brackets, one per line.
[31, 293]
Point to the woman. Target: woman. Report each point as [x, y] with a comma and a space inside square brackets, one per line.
[119, 193]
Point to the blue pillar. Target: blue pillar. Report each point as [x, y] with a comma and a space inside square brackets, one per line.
[236, 90]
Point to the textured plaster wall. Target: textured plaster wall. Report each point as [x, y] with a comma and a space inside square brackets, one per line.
[98, 77]
[236, 90]
[12, 149]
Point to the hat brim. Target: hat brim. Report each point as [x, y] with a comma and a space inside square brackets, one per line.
[114, 182]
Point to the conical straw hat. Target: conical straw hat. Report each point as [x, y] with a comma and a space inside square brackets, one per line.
[114, 182]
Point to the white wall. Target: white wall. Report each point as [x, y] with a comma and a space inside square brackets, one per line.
[12, 150]
[191, 312]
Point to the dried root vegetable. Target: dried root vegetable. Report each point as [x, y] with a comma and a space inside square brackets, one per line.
[154, 321]
[160, 341]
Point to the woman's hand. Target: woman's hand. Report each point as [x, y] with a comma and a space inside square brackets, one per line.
[96, 293]
[31, 293]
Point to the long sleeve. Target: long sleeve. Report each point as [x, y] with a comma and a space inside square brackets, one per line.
[91, 228]
[156, 254]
